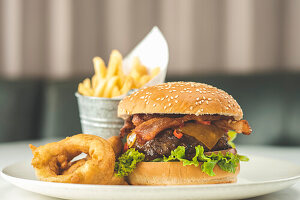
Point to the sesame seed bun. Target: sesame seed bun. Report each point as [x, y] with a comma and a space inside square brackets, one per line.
[174, 173]
[180, 98]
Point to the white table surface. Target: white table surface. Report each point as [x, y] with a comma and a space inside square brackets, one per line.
[18, 151]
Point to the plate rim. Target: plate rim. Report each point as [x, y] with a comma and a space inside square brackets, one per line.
[7, 177]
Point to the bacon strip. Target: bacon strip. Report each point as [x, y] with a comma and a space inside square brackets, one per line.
[148, 126]
[137, 119]
[149, 129]
[241, 126]
[126, 129]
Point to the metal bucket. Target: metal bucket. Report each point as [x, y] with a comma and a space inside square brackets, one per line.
[98, 116]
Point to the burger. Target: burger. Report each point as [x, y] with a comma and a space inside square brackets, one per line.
[180, 133]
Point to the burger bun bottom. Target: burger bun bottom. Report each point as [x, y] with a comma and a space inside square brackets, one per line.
[174, 173]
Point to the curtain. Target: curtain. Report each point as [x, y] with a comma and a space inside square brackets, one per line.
[57, 39]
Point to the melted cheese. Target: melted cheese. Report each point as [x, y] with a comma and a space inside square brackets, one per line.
[209, 135]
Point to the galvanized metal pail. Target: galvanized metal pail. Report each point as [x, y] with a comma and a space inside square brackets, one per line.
[98, 116]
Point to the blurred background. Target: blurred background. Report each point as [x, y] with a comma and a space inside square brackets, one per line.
[249, 48]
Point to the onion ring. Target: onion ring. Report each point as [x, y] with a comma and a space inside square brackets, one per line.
[117, 144]
[53, 162]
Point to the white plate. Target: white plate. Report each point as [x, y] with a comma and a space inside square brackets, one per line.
[258, 177]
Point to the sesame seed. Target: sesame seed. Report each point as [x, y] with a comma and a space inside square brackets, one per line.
[209, 99]
[197, 98]
[162, 98]
[206, 102]
[142, 97]
[203, 97]
[170, 104]
[165, 107]
[197, 90]
[154, 105]
[168, 99]
[167, 96]
[201, 109]
[191, 108]
[147, 102]
[176, 101]
[176, 96]
[158, 99]
[171, 97]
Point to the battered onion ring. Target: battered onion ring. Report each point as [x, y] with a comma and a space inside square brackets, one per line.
[52, 162]
[117, 145]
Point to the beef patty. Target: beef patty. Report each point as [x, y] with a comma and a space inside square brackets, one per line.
[165, 142]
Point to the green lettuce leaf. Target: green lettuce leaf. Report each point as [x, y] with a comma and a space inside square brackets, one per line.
[208, 167]
[127, 162]
[178, 155]
[227, 162]
[201, 156]
[243, 158]
[232, 135]
[158, 160]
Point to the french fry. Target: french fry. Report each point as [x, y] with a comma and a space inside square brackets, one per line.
[110, 85]
[154, 72]
[121, 81]
[87, 83]
[111, 81]
[142, 70]
[115, 61]
[99, 67]
[137, 66]
[127, 85]
[121, 76]
[135, 75]
[99, 90]
[144, 79]
[83, 90]
[115, 92]
[95, 82]
[120, 70]
[80, 89]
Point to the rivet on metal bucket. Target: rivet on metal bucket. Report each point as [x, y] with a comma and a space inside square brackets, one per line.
[98, 116]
